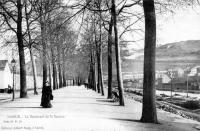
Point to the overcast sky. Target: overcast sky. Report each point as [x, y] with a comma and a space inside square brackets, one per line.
[184, 25]
[181, 26]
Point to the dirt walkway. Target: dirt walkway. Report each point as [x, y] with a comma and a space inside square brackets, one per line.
[76, 108]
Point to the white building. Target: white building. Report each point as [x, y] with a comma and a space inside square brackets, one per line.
[195, 71]
[5, 74]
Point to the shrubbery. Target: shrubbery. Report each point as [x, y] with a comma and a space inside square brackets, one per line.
[191, 104]
[137, 92]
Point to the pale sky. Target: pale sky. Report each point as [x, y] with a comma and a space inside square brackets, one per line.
[181, 26]
[184, 25]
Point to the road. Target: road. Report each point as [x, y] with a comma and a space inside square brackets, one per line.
[180, 93]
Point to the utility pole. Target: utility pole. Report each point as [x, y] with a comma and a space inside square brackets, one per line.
[187, 85]
[170, 73]
[187, 73]
[13, 63]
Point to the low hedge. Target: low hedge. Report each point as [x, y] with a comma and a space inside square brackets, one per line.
[191, 104]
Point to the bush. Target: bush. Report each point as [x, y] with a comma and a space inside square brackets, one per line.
[159, 98]
[191, 104]
[177, 95]
[164, 95]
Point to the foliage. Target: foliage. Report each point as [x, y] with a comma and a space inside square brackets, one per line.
[191, 104]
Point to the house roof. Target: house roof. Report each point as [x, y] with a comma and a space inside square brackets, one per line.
[195, 67]
[3, 64]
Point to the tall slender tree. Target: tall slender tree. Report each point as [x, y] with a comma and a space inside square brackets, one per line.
[30, 46]
[11, 11]
[149, 107]
[63, 68]
[110, 59]
[100, 69]
[23, 89]
[60, 75]
[117, 52]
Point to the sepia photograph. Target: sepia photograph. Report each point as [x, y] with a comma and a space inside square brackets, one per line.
[99, 65]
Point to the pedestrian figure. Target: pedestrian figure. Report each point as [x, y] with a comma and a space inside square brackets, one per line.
[46, 96]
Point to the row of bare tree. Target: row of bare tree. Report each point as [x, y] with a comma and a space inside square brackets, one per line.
[105, 13]
[100, 31]
[101, 24]
[39, 26]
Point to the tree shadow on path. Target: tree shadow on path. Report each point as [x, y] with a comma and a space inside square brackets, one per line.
[129, 120]
[107, 101]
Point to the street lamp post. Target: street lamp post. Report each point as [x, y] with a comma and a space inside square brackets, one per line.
[13, 63]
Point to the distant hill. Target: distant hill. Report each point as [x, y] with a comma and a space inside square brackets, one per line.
[184, 50]
[178, 54]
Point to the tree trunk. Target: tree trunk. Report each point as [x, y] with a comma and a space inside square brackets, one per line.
[63, 69]
[34, 72]
[118, 59]
[90, 84]
[149, 106]
[44, 64]
[92, 75]
[44, 46]
[23, 88]
[110, 60]
[64, 79]
[55, 82]
[94, 72]
[98, 66]
[59, 70]
[50, 77]
[44, 52]
[89, 78]
[31, 52]
[100, 72]
[100, 58]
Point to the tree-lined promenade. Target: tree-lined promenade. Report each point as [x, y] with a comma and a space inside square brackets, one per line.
[76, 39]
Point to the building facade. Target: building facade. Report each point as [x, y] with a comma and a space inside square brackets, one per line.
[5, 75]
